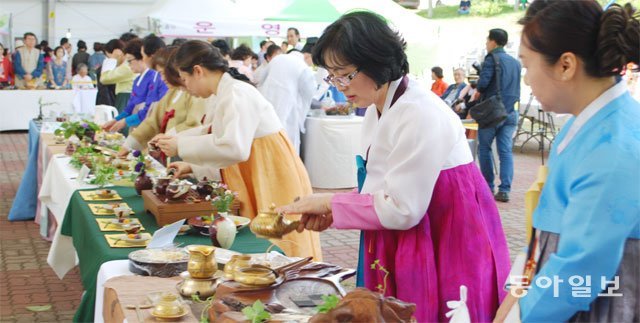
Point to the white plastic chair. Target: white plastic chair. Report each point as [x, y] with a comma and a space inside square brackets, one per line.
[104, 113]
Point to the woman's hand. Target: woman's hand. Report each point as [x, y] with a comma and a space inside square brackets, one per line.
[168, 145]
[315, 210]
[119, 125]
[182, 169]
[123, 152]
[107, 125]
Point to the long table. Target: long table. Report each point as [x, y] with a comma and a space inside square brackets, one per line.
[92, 248]
[18, 107]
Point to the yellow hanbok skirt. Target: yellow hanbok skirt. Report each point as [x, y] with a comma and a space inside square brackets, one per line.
[274, 174]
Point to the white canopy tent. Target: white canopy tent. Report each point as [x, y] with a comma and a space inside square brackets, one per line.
[227, 18]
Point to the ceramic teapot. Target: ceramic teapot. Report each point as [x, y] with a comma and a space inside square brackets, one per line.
[177, 190]
[272, 225]
[204, 187]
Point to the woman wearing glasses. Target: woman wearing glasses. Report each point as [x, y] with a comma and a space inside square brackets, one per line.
[241, 143]
[426, 213]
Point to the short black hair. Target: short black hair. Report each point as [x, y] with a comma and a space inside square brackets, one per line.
[113, 45]
[98, 47]
[178, 41]
[262, 43]
[295, 30]
[241, 53]
[364, 39]
[134, 48]
[82, 45]
[29, 34]
[152, 44]
[64, 40]
[308, 46]
[128, 36]
[437, 70]
[223, 46]
[272, 50]
[44, 43]
[500, 36]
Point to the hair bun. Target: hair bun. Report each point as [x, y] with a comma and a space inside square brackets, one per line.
[618, 39]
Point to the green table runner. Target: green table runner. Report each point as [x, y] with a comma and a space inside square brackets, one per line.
[93, 250]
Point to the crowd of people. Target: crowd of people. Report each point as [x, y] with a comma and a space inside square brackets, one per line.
[427, 212]
[38, 66]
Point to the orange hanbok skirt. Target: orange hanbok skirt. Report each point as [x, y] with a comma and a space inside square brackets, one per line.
[274, 174]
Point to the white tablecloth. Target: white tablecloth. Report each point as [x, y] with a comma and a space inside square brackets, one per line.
[18, 107]
[58, 184]
[330, 146]
[108, 270]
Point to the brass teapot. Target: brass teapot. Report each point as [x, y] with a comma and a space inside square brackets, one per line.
[272, 225]
[202, 261]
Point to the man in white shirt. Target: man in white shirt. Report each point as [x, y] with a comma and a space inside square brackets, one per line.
[289, 85]
[293, 38]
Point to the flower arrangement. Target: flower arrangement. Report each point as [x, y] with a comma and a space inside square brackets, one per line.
[78, 128]
[221, 198]
[138, 164]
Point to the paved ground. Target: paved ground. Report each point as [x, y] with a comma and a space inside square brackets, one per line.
[26, 279]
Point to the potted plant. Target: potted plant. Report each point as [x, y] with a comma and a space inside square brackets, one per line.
[141, 180]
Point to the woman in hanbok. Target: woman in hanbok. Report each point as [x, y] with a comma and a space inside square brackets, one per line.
[116, 71]
[588, 217]
[242, 143]
[175, 112]
[429, 221]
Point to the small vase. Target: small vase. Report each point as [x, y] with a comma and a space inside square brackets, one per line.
[143, 182]
[222, 231]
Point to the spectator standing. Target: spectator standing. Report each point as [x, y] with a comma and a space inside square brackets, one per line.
[116, 71]
[293, 38]
[241, 60]
[96, 59]
[264, 45]
[224, 48]
[289, 85]
[81, 57]
[510, 94]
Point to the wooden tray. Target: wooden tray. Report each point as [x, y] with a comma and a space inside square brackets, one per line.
[314, 278]
[172, 211]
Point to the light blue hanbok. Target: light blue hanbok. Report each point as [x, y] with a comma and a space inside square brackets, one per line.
[589, 217]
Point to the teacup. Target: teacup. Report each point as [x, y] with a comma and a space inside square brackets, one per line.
[105, 193]
[122, 211]
[169, 305]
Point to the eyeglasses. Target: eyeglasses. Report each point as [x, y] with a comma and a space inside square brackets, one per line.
[341, 80]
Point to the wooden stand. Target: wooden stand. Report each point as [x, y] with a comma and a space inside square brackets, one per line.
[172, 211]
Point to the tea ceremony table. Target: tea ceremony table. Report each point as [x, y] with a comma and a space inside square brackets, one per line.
[92, 249]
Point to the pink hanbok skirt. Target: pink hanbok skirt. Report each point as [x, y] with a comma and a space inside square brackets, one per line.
[459, 241]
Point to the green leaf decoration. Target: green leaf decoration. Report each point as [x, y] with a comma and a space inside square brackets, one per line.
[37, 308]
[256, 313]
[330, 302]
